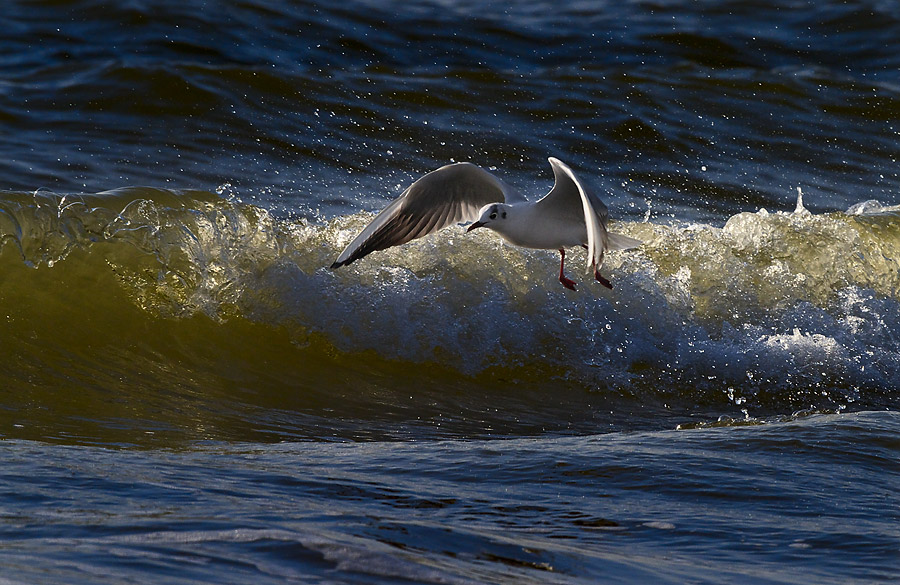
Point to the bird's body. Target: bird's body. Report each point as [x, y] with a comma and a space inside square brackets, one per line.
[567, 216]
[557, 230]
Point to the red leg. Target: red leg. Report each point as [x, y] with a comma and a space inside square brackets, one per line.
[597, 274]
[568, 283]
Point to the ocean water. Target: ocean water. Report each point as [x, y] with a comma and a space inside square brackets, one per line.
[188, 394]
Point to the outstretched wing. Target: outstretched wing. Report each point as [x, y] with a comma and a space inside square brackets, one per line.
[569, 199]
[451, 194]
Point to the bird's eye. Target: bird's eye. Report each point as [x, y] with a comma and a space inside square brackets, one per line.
[493, 215]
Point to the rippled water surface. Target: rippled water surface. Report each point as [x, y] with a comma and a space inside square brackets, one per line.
[189, 395]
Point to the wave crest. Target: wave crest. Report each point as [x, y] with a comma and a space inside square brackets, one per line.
[773, 311]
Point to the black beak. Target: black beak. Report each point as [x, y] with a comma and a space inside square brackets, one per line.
[477, 224]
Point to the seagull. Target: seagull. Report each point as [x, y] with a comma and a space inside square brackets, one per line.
[569, 215]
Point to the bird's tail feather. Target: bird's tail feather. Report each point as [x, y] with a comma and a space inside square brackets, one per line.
[620, 242]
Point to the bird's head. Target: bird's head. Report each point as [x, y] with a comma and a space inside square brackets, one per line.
[491, 214]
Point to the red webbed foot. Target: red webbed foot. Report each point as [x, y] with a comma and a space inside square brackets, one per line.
[567, 282]
[602, 280]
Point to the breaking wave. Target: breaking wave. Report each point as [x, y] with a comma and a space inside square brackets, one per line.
[156, 289]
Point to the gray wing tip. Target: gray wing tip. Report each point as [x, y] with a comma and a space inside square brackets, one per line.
[339, 263]
[555, 162]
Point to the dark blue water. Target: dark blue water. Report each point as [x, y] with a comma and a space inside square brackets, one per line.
[189, 395]
[728, 505]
